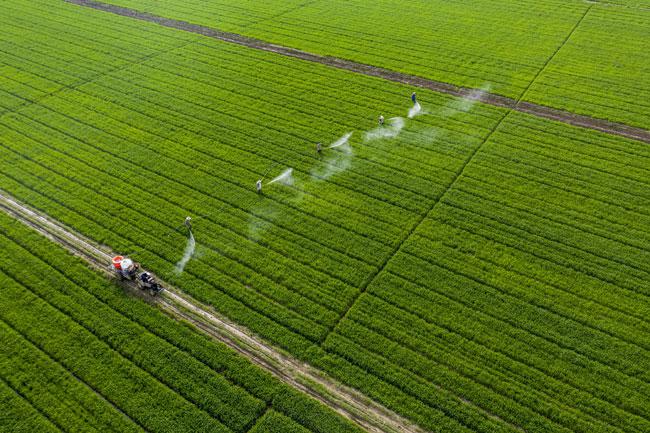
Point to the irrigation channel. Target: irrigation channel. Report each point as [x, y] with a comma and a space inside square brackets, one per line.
[538, 110]
[346, 401]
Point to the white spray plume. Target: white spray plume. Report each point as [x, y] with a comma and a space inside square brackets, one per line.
[466, 103]
[286, 178]
[341, 141]
[187, 255]
[415, 110]
[336, 161]
[391, 129]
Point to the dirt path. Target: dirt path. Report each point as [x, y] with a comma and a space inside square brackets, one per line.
[373, 71]
[348, 402]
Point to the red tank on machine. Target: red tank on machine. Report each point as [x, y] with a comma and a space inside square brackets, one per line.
[127, 269]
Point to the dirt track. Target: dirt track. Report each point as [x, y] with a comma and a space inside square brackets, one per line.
[346, 401]
[411, 80]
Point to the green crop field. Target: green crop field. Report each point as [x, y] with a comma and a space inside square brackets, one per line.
[502, 46]
[79, 356]
[469, 267]
[466, 43]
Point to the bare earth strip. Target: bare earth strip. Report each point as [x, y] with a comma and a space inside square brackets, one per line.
[373, 71]
[346, 401]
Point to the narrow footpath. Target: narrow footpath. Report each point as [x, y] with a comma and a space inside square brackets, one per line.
[346, 401]
[533, 109]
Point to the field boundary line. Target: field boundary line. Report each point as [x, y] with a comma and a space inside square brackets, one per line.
[201, 192]
[371, 278]
[557, 50]
[346, 401]
[125, 356]
[415, 226]
[555, 114]
[279, 14]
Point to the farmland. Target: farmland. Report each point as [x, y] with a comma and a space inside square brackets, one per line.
[365, 32]
[555, 53]
[72, 340]
[595, 74]
[469, 267]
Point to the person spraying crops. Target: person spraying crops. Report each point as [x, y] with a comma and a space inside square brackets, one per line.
[319, 147]
[258, 186]
[381, 120]
[414, 98]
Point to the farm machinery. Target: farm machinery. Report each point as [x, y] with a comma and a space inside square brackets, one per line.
[127, 269]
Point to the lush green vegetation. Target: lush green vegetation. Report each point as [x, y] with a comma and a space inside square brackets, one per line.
[480, 271]
[501, 46]
[80, 355]
[498, 45]
[291, 260]
[525, 290]
[602, 70]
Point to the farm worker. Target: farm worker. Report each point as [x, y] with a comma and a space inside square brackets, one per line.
[413, 97]
[319, 147]
[381, 120]
[258, 186]
[188, 222]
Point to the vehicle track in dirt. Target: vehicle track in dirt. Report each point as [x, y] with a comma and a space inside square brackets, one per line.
[346, 401]
[538, 110]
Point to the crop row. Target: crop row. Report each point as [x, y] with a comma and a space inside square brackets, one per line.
[66, 189]
[610, 212]
[175, 352]
[91, 360]
[466, 349]
[609, 247]
[617, 16]
[98, 187]
[593, 214]
[237, 301]
[172, 370]
[186, 132]
[419, 339]
[244, 57]
[617, 196]
[563, 322]
[617, 268]
[568, 81]
[19, 415]
[625, 162]
[212, 226]
[248, 287]
[595, 73]
[425, 325]
[91, 157]
[590, 330]
[568, 281]
[607, 363]
[274, 422]
[53, 391]
[450, 45]
[101, 29]
[498, 259]
[363, 181]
